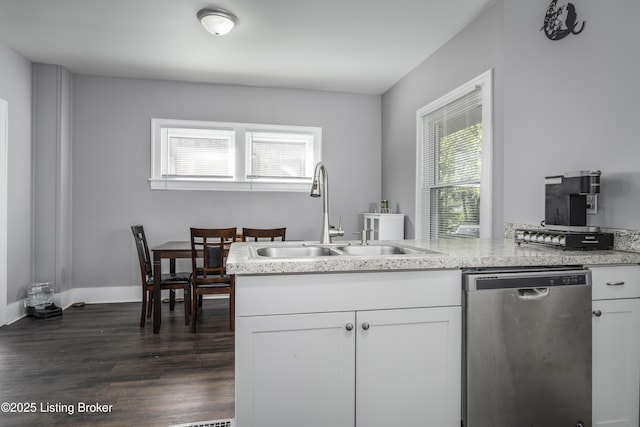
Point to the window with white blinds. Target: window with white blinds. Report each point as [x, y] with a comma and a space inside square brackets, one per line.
[195, 155]
[198, 153]
[280, 156]
[454, 163]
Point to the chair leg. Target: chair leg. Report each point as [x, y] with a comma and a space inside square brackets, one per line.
[187, 306]
[172, 300]
[194, 310]
[144, 309]
[149, 304]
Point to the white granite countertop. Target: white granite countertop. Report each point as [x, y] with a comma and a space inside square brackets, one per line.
[451, 254]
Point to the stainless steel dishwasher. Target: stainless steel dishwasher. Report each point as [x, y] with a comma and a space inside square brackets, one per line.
[527, 348]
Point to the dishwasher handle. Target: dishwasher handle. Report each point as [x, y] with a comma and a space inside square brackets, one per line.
[533, 293]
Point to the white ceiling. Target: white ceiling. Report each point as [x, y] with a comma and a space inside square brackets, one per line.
[360, 46]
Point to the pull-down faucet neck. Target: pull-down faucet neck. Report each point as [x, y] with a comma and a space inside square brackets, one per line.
[316, 191]
[315, 187]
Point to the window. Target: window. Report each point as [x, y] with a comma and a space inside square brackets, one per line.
[278, 156]
[198, 153]
[194, 155]
[453, 182]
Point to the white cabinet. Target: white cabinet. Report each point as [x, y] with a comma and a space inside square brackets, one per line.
[312, 366]
[407, 367]
[295, 370]
[384, 226]
[389, 367]
[616, 346]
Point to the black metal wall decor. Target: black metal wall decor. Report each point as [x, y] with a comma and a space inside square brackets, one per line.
[560, 21]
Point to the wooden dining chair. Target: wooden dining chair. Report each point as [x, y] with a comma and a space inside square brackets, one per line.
[170, 281]
[256, 234]
[209, 249]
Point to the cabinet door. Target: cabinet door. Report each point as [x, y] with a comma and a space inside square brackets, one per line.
[408, 367]
[295, 370]
[616, 363]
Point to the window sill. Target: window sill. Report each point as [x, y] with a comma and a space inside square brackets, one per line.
[207, 185]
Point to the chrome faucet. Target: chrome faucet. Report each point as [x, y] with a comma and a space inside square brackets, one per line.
[328, 231]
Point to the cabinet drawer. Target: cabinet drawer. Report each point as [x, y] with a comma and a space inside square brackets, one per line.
[614, 282]
[263, 295]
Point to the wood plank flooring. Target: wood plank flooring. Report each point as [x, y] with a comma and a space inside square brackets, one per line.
[98, 354]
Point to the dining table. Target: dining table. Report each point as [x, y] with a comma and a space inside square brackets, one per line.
[171, 250]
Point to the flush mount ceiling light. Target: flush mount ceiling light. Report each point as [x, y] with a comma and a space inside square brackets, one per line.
[217, 21]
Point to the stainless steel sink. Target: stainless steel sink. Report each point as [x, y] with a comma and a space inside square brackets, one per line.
[343, 250]
[372, 250]
[296, 252]
[381, 250]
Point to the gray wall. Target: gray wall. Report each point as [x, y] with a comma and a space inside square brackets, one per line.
[476, 49]
[571, 105]
[15, 88]
[111, 166]
[558, 106]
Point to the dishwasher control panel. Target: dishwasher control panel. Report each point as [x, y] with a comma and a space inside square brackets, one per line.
[484, 280]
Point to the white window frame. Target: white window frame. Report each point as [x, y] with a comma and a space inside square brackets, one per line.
[242, 157]
[307, 138]
[423, 202]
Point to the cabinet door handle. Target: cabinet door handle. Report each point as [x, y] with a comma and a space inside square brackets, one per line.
[366, 326]
[349, 326]
[597, 313]
[615, 283]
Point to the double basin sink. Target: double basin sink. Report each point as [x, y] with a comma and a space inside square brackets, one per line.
[310, 251]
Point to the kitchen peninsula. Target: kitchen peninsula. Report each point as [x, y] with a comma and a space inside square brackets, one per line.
[348, 340]
[445, 254]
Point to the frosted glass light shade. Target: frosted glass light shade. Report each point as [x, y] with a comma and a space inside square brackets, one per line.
[217, 21]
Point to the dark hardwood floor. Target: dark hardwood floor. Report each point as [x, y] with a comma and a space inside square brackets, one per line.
[98, 354]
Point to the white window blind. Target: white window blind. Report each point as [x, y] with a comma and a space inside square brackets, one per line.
[279, 156]
[198, 153]
[450, 166]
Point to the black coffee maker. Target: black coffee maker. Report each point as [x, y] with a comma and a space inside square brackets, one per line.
[568, 200]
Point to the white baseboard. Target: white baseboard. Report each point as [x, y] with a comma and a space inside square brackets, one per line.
[98, 295]
[107, 294]
[15, 311]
